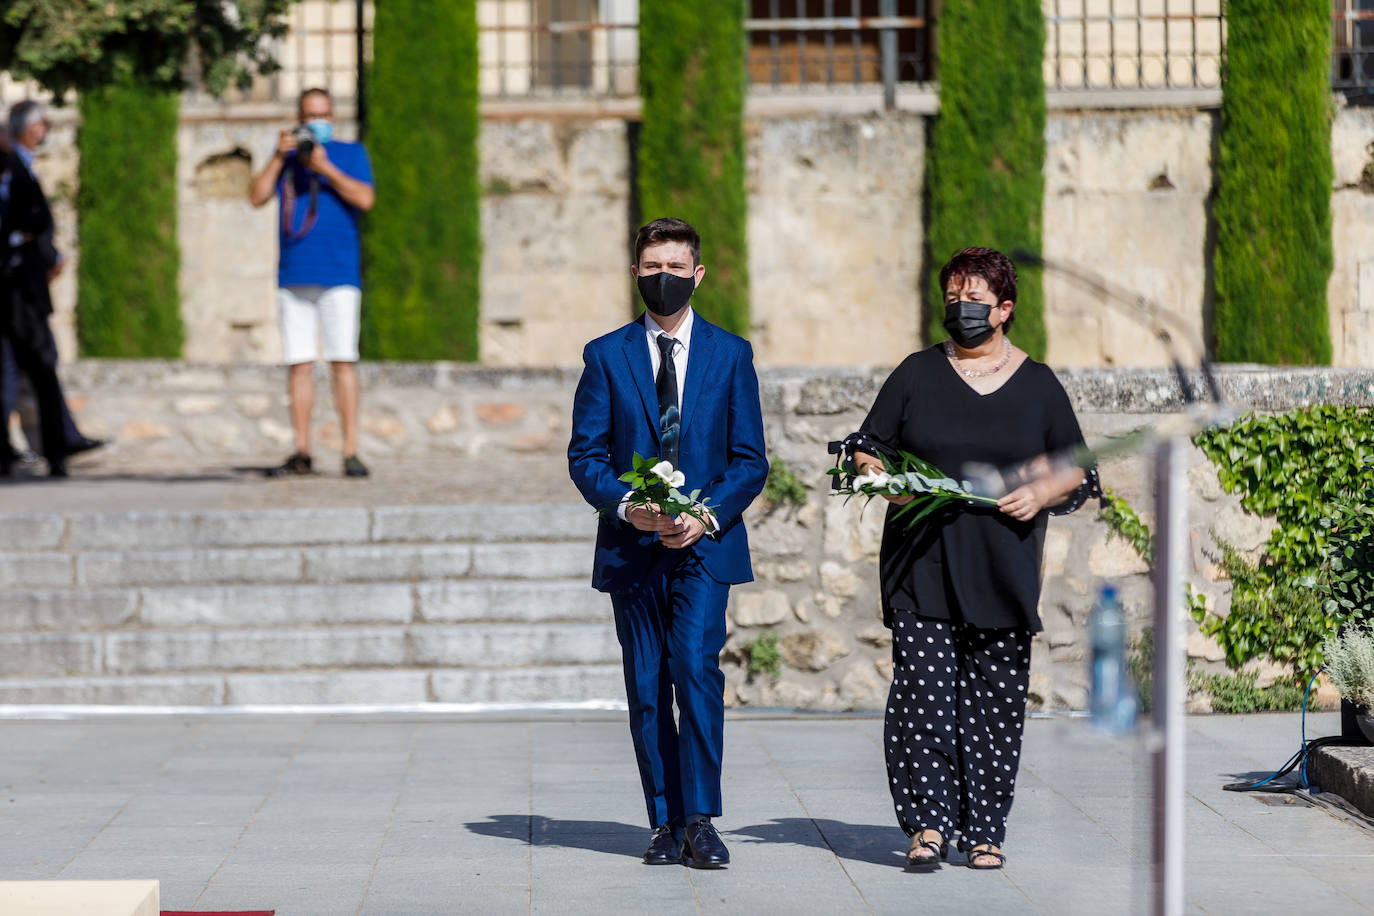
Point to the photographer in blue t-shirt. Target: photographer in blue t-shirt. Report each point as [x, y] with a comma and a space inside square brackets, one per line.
[323, 185]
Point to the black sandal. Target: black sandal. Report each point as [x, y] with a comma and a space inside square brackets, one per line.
[926, 863]
[976, 853]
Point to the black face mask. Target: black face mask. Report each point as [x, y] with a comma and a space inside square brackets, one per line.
[666, 294]
[967, 323]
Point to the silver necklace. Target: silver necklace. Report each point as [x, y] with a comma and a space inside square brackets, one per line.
[978, 373]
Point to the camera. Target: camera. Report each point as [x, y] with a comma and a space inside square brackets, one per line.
[305, 142]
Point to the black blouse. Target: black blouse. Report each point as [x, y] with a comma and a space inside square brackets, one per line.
[967, 563]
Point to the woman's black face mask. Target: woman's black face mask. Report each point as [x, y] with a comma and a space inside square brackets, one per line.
[967, 322]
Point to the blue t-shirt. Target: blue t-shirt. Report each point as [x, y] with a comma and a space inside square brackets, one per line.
[327, 255]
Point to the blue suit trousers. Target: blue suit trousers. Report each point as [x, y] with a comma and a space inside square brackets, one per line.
[671, 629]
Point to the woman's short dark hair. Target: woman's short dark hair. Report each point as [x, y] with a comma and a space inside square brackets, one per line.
[668, 229]
[995, 268]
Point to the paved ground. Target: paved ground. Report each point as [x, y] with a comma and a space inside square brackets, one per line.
[410, 814]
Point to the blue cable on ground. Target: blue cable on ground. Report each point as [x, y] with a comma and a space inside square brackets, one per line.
[1297, 761]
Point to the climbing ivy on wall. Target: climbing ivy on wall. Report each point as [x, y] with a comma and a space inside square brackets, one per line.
[127, 301]
[1273, 184]
[422, 242]
[985, 175]
[691, 146]
[1307, 468]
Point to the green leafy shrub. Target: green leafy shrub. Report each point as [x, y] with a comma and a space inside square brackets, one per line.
[157, 44]
[985, 174]
[1233, 692]
[1238, 692]
[422, 242]
[1273, 184]
[1300, 467]
[127, 301]
[691, 147]
[764, 655]
[782, 486]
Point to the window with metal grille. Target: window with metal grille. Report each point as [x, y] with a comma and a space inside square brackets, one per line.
[1133, 44]
[559, 47]
[827, 43]
[1352, 58]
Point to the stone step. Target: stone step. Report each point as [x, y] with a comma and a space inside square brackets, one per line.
[372, 606]
[217, 528]
[286, 565]
[562, 683]
[415, 646]
[462, 601]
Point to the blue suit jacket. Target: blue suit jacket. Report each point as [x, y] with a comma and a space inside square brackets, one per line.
[615, 415]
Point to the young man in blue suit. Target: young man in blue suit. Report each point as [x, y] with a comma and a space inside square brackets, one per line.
[672, 385]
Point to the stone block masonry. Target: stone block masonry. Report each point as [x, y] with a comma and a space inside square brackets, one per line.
[489, 599]
[396, 605]
[836, 239]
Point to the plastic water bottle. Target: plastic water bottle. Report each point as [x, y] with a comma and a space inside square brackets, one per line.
[1113, 703]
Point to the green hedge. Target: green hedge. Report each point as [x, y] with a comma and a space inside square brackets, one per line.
[985, 180]
[691, 147]
[422, 242]
[1273, 176]
[127, 301]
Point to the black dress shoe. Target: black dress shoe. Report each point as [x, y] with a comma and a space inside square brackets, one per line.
[702, 847]
[664, 848]
[83, 444]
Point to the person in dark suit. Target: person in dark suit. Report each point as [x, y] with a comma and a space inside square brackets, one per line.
[672, 385]
[29, 262]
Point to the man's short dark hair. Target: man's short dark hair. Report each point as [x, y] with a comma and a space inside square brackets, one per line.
[994, 267]
[668, 229]
[22, 114]
[314, 90]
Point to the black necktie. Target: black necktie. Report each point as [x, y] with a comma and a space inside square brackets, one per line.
[669, 414]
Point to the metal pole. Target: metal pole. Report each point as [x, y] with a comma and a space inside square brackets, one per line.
[1166, 733]
[888, 51]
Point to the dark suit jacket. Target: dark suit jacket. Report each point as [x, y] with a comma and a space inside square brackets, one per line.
[615, 415]
[28, 213]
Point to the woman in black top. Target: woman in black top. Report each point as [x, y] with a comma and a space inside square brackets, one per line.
[960, 590]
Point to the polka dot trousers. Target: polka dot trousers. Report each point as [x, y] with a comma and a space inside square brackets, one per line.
[953, 727]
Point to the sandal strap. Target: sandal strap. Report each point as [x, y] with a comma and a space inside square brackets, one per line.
[937, 847]
[976, 852]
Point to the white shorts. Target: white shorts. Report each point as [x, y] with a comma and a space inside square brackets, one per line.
[311, 313]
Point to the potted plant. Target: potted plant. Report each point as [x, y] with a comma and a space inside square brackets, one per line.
[1350, 665]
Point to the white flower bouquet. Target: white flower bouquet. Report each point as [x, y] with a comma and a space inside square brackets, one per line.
[655, 484]
[906, 475]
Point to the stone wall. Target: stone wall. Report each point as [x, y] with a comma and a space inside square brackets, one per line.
[816, 585]
[1351, 289]
[835, 238]
[835, 227]
[1125, 195]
